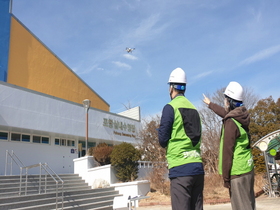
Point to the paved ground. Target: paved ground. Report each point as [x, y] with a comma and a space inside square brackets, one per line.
[263, 203]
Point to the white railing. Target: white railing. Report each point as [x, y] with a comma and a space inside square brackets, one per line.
[13, 158]
[42, 166]
[145, 164]
[150, 164]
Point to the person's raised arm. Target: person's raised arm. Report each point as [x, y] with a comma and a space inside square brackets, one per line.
[219, 110]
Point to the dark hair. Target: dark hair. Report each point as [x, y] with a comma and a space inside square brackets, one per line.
[233, 103]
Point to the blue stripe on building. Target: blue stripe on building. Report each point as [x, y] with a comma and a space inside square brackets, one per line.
[5, 23]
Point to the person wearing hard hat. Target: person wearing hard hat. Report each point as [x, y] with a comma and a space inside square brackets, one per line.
[180, 133]
[235, 156]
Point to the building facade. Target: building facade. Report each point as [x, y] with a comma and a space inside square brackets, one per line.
[42, 118]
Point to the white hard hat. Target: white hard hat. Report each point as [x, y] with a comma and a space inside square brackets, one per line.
[177, 76]
[235, 91]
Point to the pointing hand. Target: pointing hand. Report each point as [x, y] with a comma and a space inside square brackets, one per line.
[206, 100]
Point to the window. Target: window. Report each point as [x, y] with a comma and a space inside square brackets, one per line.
[15, 137]
[83, 143]
[25, 138]
[45, 140]
[70, 143]
[3, 136]
[73, 143]
[63, 142]
[91, 144]
[36, 139]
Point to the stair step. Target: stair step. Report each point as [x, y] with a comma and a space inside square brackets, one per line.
[88, 197]
[36, 188]
[4, 178]
[96, 206]
[49, 183]
[32, 192]
[77, 194]
[37, 175]
[66, 194]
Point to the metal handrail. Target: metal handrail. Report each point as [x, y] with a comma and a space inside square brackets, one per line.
[43, 166]
[26, 175]
[149, 164]
[47, 169]
[14, 158]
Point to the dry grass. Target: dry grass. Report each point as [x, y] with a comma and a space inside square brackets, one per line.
[259, 182]
[213, 190]
[213, 187]
[156, 198]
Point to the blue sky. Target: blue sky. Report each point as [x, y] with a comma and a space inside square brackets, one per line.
[214, 41]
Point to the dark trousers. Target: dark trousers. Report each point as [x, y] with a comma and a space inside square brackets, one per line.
[187, 192]
[242, 194]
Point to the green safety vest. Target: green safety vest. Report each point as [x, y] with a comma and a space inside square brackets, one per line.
[242, 156]
[180, 149]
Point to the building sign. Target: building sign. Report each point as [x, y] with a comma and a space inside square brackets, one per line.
[121, 128]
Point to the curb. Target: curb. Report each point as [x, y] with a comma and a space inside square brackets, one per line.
[208, 201]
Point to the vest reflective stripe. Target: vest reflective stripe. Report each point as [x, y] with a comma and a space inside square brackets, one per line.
[242, 156]
[180, 149]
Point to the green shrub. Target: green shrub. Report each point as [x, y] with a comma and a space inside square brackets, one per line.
[125, 159]
[101, 153]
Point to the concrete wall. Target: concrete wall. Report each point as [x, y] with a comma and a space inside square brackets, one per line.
[86, 168]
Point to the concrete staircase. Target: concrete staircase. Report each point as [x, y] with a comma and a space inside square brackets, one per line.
[77, 194]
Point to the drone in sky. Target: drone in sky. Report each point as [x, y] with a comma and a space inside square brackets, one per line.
[129, 50]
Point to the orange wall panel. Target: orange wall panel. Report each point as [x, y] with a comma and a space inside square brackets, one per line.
[32, 65]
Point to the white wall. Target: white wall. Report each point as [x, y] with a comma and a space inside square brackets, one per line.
[22, 108]
[59, 158]
[86, 168]
[29, 112]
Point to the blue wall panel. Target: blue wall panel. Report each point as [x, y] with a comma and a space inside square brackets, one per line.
[5, 23]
